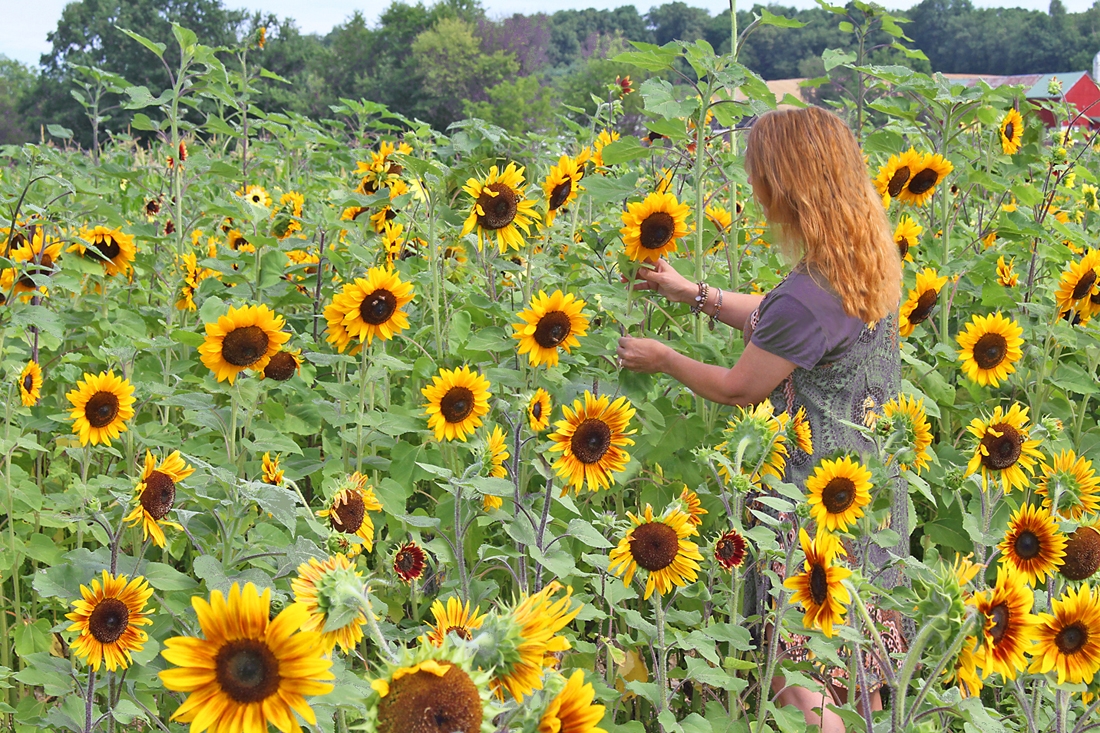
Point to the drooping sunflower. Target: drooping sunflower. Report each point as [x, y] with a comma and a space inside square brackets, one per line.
[283, 365]
[591, 439]
[838, 492]
[819, 586]
[765, 453]
[660, 546]
[1006, 273]
[500, 208]
[538, 411]
[573, 709]
[1082, 558]
[561, 186]
[922, 183]
[964, 672]
[1012, 132]
[1073, 481]
[108, 615]
[892, 177]
[372, 307]
[288, 215]
[799, 432]
[1033, 545]
[453, 618]
[990, 347]
[457, 399]
[729, 549]
[719, 216]
[272, 473]
[102, 403]
[30, 384]
[349, 510]
[1079, 284]
[922, 299]
[906, 236]
[244, 338]
[690, 505]
[246, 671]
[1008, 625]
[651, 227]
[256, 195]
[532, 639]
[1003, 450]
[551, 323]
[1069, 639]
[111, 247]
[909, 418]
[409, 562]
[156, 495]
[319, 587]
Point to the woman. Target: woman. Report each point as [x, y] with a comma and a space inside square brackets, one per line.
[825, 339]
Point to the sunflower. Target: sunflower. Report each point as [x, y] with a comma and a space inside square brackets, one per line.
[964, 673]
[111, 247]
[500, 208]
[246, 671]
[1012, 132]
[38, 256]
[906, 236]
[237, 242]
[799, 433]
[719, 216]
[908, 415]
[838, 492]
[660, 546]
[990, 347]
[605, 138]
[561, 186]
[372, 306]
[156, 495]
[108, 616]
[1069, 638]
[553, 322]
[729, 549]
[497, 453]
[272, 473]
[102, 403]
[765, 452]
[1082, 558]
[1006, 274]
[288, 215]
[538, 411]
[336, 333]
[320, 587]
[456, 401]
[572, 710]
[1073, 481]
[591, 440]
[965, 569]
[453, 618]
[1033, 545]
[690, 505]
[409, 561]
[349, 510]
[922, 183]
[30, 384]
[282, 366]
[244, 338]
[819, 587]
[896, 173]
[1090, 197]
[1079, 284]
[1008, 624]
[651, 227]
[531, 640]
[351, 213]
[1003, 450]
[922, 299]
[256, 195]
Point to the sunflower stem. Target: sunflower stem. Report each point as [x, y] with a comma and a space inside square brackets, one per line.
[359, 421]
[901, 688]
[662, 657]
[89, 701]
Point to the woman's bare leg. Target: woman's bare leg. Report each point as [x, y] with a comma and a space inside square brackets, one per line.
[812, 703]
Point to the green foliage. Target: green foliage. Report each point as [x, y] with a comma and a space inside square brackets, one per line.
[518, 106]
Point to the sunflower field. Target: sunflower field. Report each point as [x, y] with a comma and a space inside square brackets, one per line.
[320, 425]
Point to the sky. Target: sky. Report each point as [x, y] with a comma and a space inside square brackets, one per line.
[26, 24]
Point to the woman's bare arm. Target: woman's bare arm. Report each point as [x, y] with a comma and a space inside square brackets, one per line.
[663, 279]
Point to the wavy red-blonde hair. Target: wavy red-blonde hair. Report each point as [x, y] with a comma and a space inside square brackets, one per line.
[808, 174]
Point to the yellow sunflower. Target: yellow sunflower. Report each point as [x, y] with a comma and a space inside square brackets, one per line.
[256, 195]
[244, 338]
[246, 671]
[799, 432]
[497, 453]
[651, 227]
[605, 138]
[690, 505]
[288, 215]
[373, 306]
[892, 177]
[964, 673]
[1069, 639]
[819, 586]
[1006, 273]
[1090, 197]
[719, 216]
[922, 183]
[108, 616]
[538, 411]
[552, 322]
[990, 347]
[922, 299]
[156, 495]
[30, 384]
[838, 492]
[1012, 132]
[457, 399]
[349, 510]
[908, 414]
[573, 709]
[1073, 481]
[1033, 546]
[319, 587]
[102, 403]
[906, 236]
[1008, 625]
[533, 626]
[500, 208]
[336, 333]
[453, 618]
[1079, 284]
[591, 440]
[351, 213]
[272, 473]
[37, 257]
[660, 546]
[1003, 450]
[561, 186]
[111, 247]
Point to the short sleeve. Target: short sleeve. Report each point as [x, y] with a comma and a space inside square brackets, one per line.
[788, 329]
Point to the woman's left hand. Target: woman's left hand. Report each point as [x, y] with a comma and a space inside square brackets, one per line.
[642, 355]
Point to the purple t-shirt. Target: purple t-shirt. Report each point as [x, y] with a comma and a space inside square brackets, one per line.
[803, 322]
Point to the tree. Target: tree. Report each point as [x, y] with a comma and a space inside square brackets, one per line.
[16, 81]
[677, 21]
[518, 106]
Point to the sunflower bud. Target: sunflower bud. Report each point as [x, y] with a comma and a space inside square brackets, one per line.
[1053, 427]
[1054, 87]
[340, 596]
[954, 478]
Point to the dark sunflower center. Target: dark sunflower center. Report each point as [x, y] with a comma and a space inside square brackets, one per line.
[923, 181]
[28, 383]
[1082, 558]
[897, 181]
[244, 346]
[462, 631]
[377, 307]
[536, 410]
[1027, 545]
[108, 620]
[457, 404]
[359, 212]
[591, 440]
[991, 350]
[152, 208]
[45, 268]
[560, 193]
[819, 584]
[903, 246]
[838, 494]
[1095, 299]
[654, 545]
[159, 494]
[925, 303]
[247, 670]
[348, 517]
[424, 702]
[408, 560]
[281, 367]
[999, 616]
[1073, 638]
[730, 549]
[500, 209]
[257, 198]
[657, 229]
[108, 248]
[552, 329]
[1084, 285]
[238, 242]
[1010, 130]
[101, 409]
[1004, 450]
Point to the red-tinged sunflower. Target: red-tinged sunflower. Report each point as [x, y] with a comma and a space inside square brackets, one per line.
[102, 403]
[1008, 627]
[457, 400]
[115, 250]
[108, 616]
[156, 495]
[256, 195]
[272, 473]
[551, 323]
[349, 510]
[729, 549]
[1082, 558]
[1068, 640]
[244, 338]
[660, 546]
[591, 439]
[532, 627]
[651, 227]
[322, 588]
[246, 671]
[30, 384]
[282, 366]
[1006, 273]
[453, 618]
[573, 709]
[906, 236]
[538, 411]
[839, 490]
[409, 562]
[500, 208]
[690, 505]
[1033, 546]
[1079, 284]
[963, 674]
[990, 348]
[1003, 451]
[561, 186]
[921, 301]
[372, 307]
[1072, 481]
[893, 176]
[922, 183]
[1012, 132]
[819, 587]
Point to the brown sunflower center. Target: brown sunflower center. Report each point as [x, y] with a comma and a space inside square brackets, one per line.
[281, 367]
[654, 545]
[1010, 130]
[1003, 450]
[552, 329]
[560, 193]
[424, 702]
[28, 383]
[159, 494]
[1082, 558]
[991, 350]
[108, 620]
[247, 670]
[462, 631]
[591, 440]
[348, 516]
[377, 307]
[101, 409]
[999, 616]
[657, 230]
[903, 246]
[923, 181]
[257, 198]
[1073, 638]
[44, 269]
[457, 404]
[1027, 545]
[925, 303]
[108, 247]
[1084, 285]
[838, 494]
[897, 181]
[359, 211]
[244, 346]
[536, 410]
[500, 209]
[819, 584]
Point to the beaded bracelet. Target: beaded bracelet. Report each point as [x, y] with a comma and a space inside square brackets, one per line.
[700, 299]
[717, 309]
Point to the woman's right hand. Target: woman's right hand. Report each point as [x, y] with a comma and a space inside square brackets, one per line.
[665, 280]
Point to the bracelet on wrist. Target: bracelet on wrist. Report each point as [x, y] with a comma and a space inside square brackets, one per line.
[700, 299]
[717, 309]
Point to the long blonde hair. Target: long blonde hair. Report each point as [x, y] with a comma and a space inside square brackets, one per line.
[808, 174]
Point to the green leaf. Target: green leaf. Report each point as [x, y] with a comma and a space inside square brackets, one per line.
[142, 121]
[185, 37]
[624, 150]
[588, 534]
[154, 46]
[769, 18]
[126, 712]
[166, 577]
[605, 189]
[833, 57]
[58, 131]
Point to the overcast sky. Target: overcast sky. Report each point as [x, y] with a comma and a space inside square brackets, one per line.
[26, 24]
